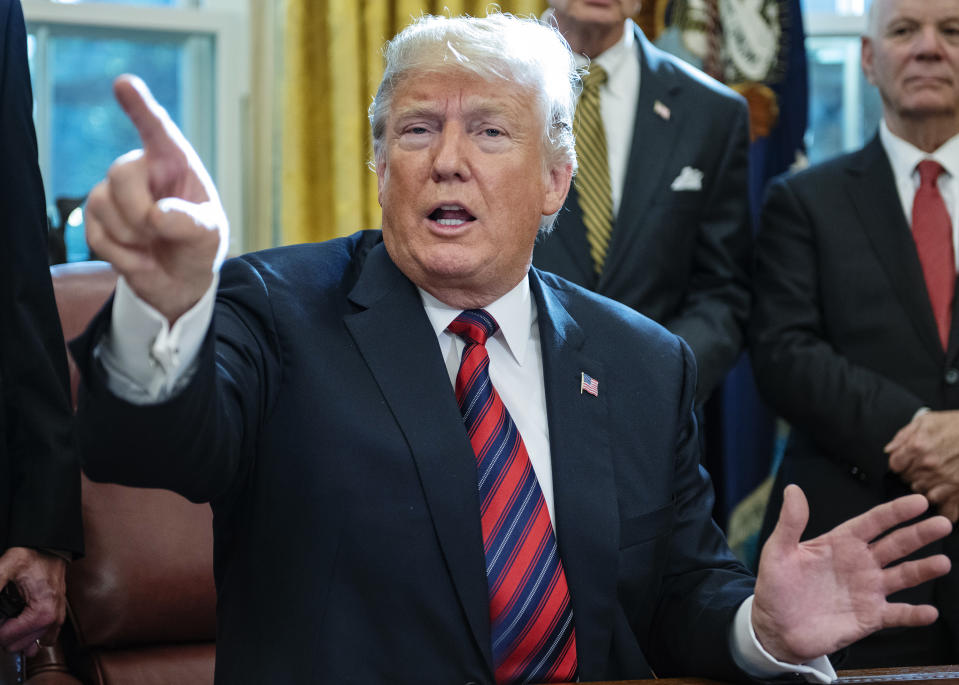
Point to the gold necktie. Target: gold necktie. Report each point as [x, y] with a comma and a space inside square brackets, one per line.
[592, 178]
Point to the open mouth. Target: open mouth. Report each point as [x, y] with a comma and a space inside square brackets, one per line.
[451, 215]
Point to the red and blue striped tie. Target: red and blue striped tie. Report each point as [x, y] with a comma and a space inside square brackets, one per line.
[530, 612]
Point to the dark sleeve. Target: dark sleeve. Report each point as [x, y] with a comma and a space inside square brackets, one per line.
[200, 442]
[713, 316]
[703, 583]
[38, 465]
[846, 408]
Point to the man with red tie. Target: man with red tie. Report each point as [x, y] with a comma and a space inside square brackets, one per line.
[428, 462]
[853, 336]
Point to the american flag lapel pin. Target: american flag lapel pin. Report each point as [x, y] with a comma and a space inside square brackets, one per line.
[588, 384]
[662, 110]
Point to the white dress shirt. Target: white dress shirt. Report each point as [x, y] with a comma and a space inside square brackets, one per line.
[904, 157]
[147, 361]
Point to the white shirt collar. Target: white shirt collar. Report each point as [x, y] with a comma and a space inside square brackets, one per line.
[611, 58]
[904, 156]
[513, 312]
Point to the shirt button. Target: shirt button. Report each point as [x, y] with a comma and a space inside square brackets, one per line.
[952, 376]
[857, 473]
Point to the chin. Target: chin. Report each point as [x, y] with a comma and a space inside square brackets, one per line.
[929, 98]
[448, 262]
[602, 15]
[926, 107]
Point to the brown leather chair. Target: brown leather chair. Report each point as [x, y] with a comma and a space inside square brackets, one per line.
[141, 603]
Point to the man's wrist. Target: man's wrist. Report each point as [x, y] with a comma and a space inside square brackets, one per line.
[146, 360]
[750, 655]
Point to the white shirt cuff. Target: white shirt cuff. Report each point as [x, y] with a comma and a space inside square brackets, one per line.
[147, 360]
[757, 662]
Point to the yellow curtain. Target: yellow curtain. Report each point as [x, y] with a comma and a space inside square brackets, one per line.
[333, 65]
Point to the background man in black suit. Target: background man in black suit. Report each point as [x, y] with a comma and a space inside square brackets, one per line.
[39, 472]
[310, 398]
[845, 341]
[678, 145]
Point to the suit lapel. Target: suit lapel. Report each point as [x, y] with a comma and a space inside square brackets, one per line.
[587, 521]
[653, 138]
[396, 340]
[952, 349]
[873, 191]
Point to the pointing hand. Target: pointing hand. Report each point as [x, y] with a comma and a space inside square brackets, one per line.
[157, 216]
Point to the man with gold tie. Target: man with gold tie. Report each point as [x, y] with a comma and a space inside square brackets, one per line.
[853, 337]
[428, 462]
[658, 216]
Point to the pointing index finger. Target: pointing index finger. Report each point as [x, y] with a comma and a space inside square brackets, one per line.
[153, 124]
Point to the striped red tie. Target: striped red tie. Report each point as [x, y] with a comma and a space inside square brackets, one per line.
[530, 612]
[932, 231]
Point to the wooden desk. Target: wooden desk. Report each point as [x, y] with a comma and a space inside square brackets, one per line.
[908, 676]
[924, 674]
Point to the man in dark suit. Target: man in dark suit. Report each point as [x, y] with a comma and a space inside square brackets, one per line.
[39, 472]
[853, 339]
[428, 462]
[678, 155]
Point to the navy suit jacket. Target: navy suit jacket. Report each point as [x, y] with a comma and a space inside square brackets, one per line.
[322, 426]
[844, 346]
[681, 257]
[39, 469]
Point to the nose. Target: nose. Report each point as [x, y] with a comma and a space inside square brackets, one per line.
[928, 42]
[450, 158]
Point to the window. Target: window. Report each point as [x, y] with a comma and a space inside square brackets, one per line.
[187, 55]
[844, 109]
[166, 3]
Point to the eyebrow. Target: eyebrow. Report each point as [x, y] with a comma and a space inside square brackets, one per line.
[486, 110]
[908, 18]
[418, 111]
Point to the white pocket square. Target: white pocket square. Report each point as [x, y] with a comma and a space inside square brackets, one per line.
[688, 179]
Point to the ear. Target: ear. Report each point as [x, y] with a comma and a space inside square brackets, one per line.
[557, 188]
[866, 57]
[380, 168]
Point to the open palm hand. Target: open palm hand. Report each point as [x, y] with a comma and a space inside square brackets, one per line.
[817, 596]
